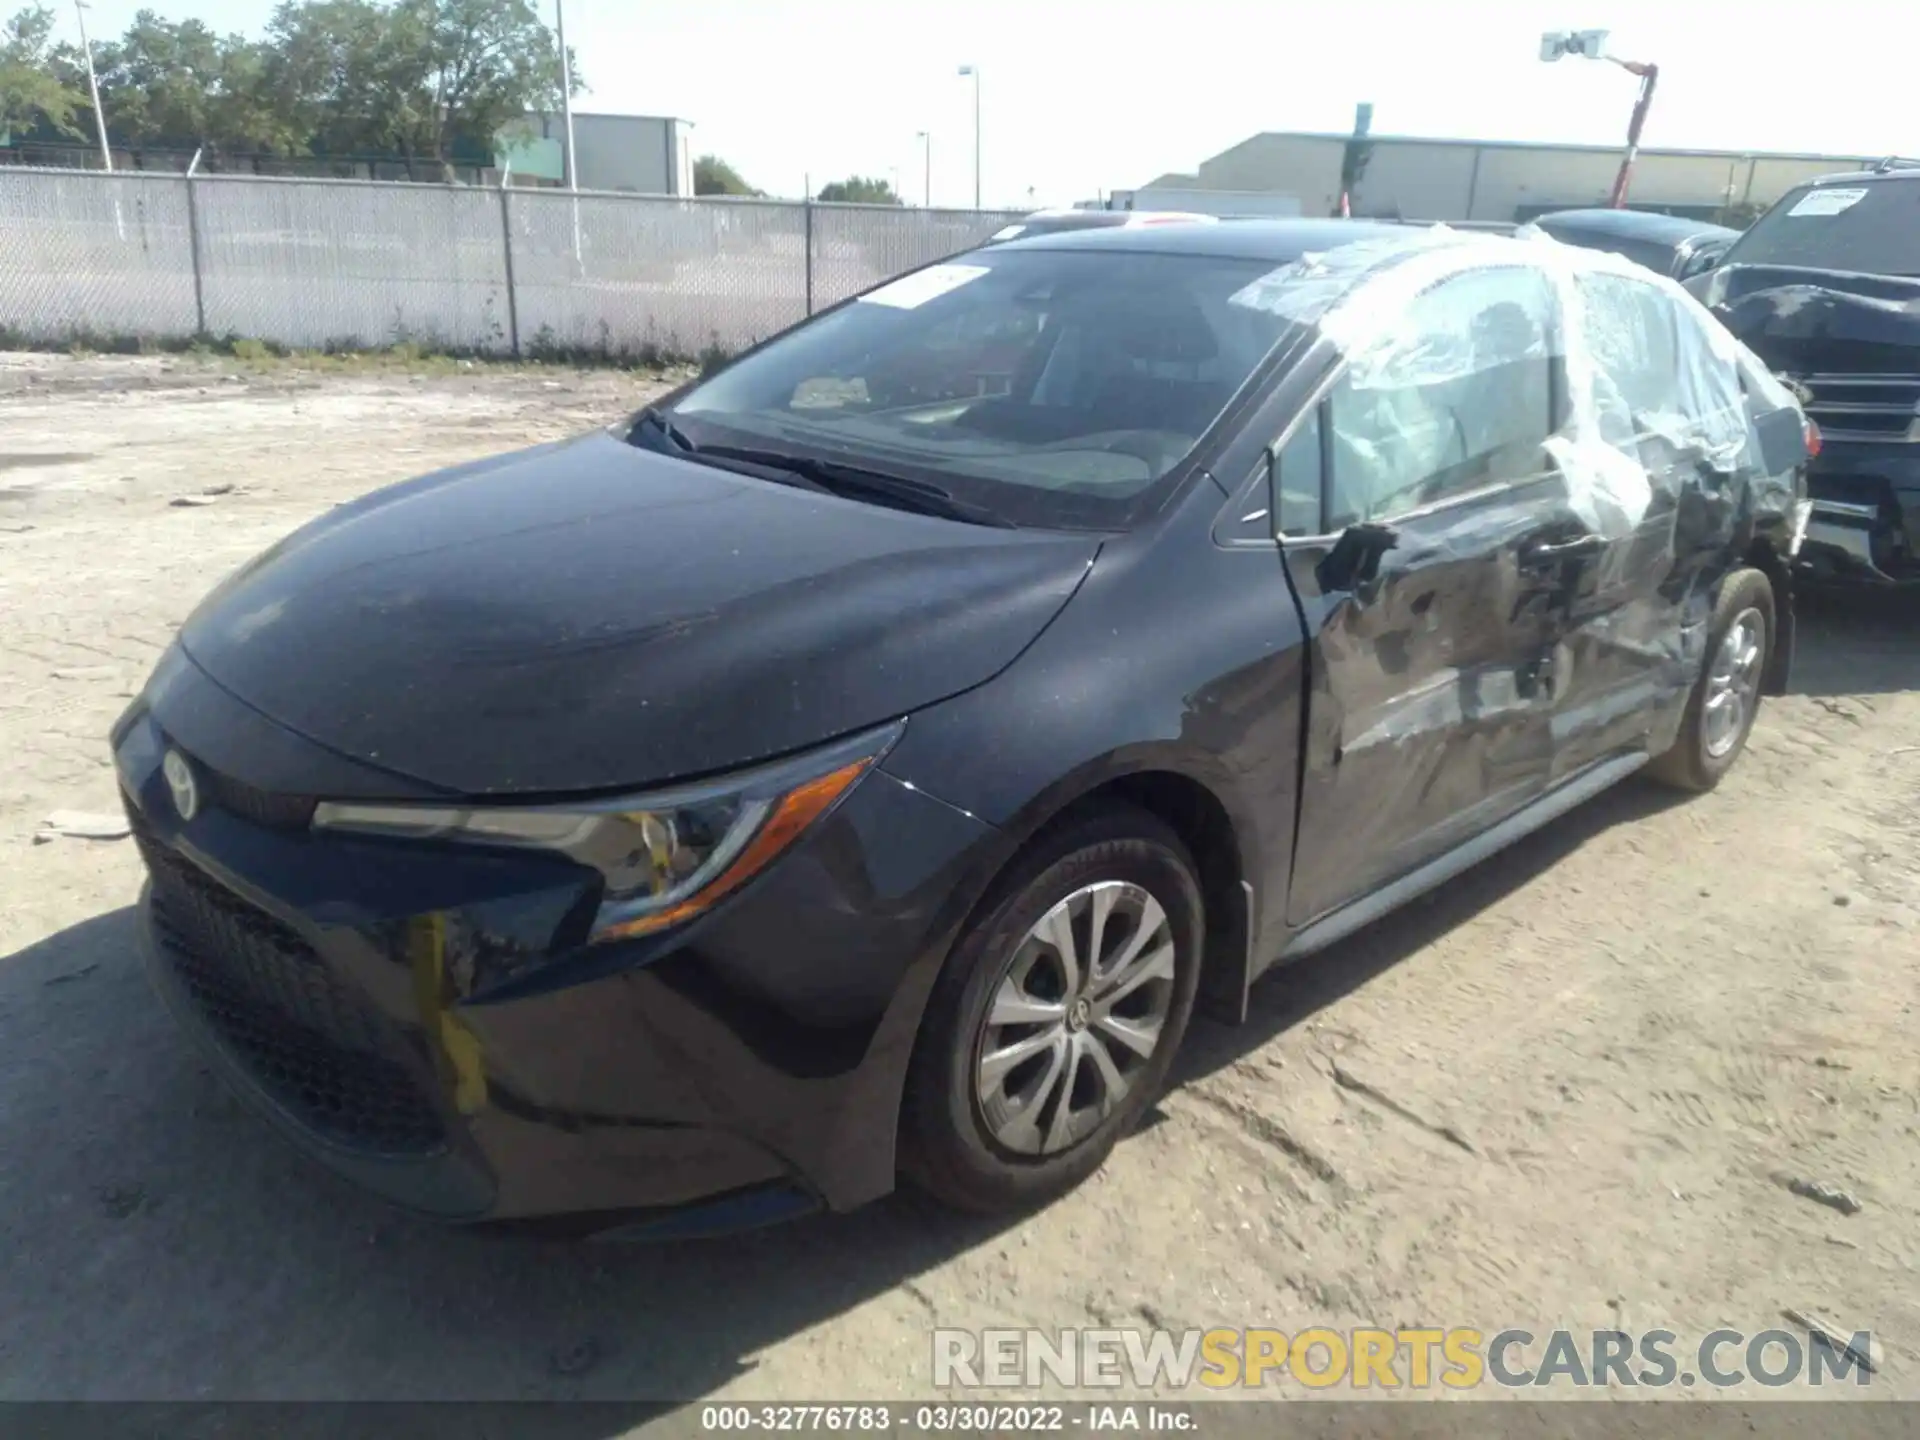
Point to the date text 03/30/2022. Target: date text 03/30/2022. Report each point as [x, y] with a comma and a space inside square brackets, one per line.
[947, 1419]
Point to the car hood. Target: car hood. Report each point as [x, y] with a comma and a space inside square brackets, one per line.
[1833, 322]
[590, 616]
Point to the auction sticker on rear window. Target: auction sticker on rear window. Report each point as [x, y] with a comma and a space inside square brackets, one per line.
[1827, 202]
[910, 292]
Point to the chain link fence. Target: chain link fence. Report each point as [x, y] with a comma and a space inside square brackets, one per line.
[312, 264]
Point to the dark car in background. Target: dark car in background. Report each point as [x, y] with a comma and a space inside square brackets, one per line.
[1825, 287]
[1666, 244]
[722, 814]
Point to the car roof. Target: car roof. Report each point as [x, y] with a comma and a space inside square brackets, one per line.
[1633, 225]
[1280, 241]
[1907, 170]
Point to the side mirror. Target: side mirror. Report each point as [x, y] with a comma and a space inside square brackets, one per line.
[1354, 560]
[1699, 263]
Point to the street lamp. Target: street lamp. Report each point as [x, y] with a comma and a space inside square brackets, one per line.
[1591, 45]
[925, 138]
[93, 85]
[974, 71]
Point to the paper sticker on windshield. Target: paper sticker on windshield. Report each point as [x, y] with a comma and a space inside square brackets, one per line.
[910, 292]
[1827, 202]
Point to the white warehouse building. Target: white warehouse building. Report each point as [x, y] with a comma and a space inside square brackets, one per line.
[1421, 178]
[640, 154]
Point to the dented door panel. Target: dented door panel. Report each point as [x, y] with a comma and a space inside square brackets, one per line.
[1549, 613]
[1429, 713]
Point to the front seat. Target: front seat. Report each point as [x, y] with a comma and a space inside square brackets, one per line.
[1155, 368]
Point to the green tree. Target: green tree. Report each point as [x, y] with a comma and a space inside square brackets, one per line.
[31, 89]
[158, 80]
[249, 111]
[412, 76]
[714, 176]
[859, 190]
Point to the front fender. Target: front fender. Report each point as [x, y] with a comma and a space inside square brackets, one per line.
[1175, 657]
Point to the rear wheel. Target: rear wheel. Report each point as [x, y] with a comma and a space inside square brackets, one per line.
[1058, 1014]
[1726, 698]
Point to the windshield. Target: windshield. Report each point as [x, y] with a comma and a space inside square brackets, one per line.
[1873, 229]
[1048, 387]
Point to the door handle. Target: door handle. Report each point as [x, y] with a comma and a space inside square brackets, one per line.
[1552, 552]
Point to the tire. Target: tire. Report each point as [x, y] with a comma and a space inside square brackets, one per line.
[1702, 753]
[964, 1140]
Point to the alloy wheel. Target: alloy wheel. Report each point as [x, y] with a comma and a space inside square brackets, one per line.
[1733, 682]
[1075, 1017]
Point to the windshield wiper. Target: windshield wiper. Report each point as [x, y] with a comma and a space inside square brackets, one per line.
[657, 418]
[725, 457]
[836, 477]
[832, 477]
[908, 494]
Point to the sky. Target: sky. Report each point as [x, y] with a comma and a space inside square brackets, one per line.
[1079, 97]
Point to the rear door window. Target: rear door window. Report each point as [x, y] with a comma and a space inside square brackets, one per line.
[1663, 374]
[1631, 331]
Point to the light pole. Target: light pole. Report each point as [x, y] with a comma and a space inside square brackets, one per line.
[1592, 45]
[566, 110]
[974, 71]
[925, 138]
[566, 88]
[93, 85]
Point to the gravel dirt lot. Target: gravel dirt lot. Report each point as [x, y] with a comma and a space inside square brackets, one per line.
[1567, 1091]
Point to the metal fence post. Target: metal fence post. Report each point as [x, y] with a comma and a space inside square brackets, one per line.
[193, 245]
[809, 209]
[513, 299]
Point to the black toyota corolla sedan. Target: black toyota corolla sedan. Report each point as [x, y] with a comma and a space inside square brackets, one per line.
[864, 761]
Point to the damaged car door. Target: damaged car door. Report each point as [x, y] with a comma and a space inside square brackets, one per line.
[1433, 588]
[1630, 459]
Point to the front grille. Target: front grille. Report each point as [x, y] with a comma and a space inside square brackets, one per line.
[310, 1041]
[1864, 407]
[273, 812]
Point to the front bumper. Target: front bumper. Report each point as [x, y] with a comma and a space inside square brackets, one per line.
[424, 1020]
[1865, 524]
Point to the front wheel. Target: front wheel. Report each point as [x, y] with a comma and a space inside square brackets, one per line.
[1726, 698]
[1057, 1016]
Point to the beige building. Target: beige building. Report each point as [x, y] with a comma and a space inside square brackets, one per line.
[1416, 178]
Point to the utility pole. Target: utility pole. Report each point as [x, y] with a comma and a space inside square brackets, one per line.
[1592, 45]
[1649, 77]
[566, 110]
[974, 71]
[926, 166]
[566, 89]
[93, 85]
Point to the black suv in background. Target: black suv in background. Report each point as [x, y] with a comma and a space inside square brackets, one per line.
[1826, 289]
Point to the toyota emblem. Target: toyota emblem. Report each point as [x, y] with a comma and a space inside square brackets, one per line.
[186, 793]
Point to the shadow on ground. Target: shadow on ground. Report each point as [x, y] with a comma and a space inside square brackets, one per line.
[156, 1241]
[1857, 641]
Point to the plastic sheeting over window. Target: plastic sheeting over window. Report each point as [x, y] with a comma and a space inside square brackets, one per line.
[1454, 342]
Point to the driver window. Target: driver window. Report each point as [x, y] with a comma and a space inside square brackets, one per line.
[1457, 397]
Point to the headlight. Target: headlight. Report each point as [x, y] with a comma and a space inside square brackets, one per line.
[666, 857]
